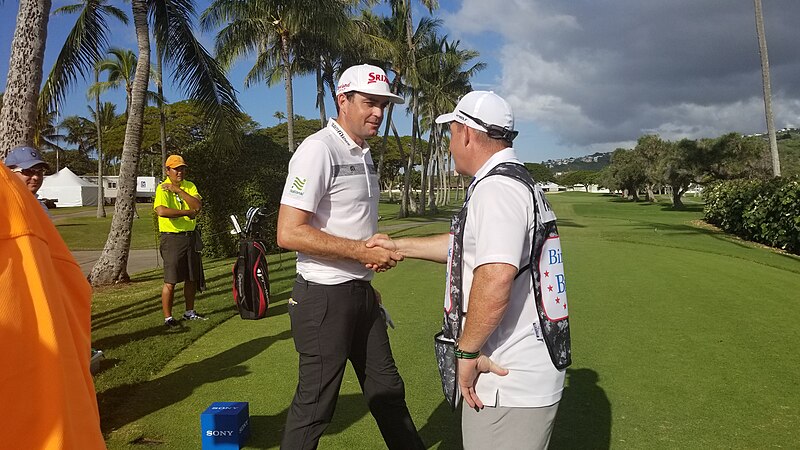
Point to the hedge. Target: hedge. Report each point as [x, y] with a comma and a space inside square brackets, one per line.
[231, 183]
[767, 212]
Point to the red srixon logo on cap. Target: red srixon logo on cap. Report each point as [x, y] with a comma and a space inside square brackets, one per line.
[375, 77]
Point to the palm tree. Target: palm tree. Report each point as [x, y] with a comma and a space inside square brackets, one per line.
[104, 116]
[112, 265]
[270, 30]
[196, 71]
[443, 80]
[19, 113]
[762, 50]
[83, 48]
[389, 39]
[158, 78]
[101, 200]
[121, 69]
[46, 135]
[79, 131]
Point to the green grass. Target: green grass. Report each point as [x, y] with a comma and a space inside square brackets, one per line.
[682, 338]
[81, 230]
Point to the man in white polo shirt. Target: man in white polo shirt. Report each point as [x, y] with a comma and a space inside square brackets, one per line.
[510, 400]
[328, 209]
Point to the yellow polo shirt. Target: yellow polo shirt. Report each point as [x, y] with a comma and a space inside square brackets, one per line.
[46, 388]
[174, 201]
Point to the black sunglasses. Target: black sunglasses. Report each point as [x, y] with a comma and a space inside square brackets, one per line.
[494, 131]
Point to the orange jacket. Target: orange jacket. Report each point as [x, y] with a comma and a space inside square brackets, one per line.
[46, 391]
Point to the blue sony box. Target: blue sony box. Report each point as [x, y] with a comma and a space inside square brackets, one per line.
[225, 425]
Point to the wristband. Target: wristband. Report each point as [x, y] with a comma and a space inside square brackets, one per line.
[461, 354]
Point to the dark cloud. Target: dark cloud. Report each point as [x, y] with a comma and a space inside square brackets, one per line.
[595, 72]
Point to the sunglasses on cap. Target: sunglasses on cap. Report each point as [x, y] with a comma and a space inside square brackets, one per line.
[494, 131]
[31, 171]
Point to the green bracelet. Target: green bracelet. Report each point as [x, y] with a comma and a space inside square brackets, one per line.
[461, 354]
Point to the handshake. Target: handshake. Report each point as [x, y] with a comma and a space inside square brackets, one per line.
[380, 253]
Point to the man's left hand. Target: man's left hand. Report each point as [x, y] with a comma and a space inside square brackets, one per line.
[171, 187]
[468, 372]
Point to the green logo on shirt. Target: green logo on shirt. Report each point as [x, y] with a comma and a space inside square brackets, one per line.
[298, 185]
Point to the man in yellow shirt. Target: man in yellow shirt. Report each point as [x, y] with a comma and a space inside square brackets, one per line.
[45, 332]
[177, 203]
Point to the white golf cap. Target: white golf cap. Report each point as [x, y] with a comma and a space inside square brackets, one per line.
[367, 79]
[486, 106]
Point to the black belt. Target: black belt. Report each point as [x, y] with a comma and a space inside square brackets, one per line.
[302, 280]
[184, 233]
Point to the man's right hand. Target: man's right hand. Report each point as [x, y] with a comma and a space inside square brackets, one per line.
[382, 242]
[378, 258]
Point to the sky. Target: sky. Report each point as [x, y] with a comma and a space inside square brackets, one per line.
[582, 76]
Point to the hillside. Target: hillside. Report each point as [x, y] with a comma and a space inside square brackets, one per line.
[788, 148]
[593, 162]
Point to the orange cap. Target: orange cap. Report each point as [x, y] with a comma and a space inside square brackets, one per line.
[175, 161]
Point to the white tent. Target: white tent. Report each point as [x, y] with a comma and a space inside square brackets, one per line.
[67, 189]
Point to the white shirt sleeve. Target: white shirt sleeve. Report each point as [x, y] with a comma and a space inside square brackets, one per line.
[501, 216]
[309, 176]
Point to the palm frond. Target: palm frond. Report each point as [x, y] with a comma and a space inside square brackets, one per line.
[83, 47]
[196, 71]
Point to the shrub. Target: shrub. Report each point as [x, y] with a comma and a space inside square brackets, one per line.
[231, 183]
[762, 211]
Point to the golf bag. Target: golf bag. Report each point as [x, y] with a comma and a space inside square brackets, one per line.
[251, 271]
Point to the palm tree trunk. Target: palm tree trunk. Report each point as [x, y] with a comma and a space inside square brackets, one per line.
[406, 202]
[20, 101]
[112, 265]
[101, 208]
[414, 142]
[426, 182]
[385, 142]
[323, 119]
[161, 115]
[287, 77]
[762, 50]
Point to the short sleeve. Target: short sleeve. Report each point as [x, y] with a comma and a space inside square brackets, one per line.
[160, 198]
[309, 176]
[500, 215]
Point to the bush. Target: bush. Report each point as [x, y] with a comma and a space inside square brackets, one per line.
[762, 211]
[231, 183]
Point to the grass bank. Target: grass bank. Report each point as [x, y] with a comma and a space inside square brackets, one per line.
[682, 338]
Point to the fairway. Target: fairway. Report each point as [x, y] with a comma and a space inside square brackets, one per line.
[682, 338]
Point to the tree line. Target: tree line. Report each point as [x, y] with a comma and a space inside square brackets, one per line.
[655, 163]
[285, 38]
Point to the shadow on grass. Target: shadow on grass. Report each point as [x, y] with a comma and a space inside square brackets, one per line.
[148, 397]
[99, 317]
[443, 427]
[150, 275]
[267, 431]
[584, 414]
[693, 208]
[158, 329]
[569, 223]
